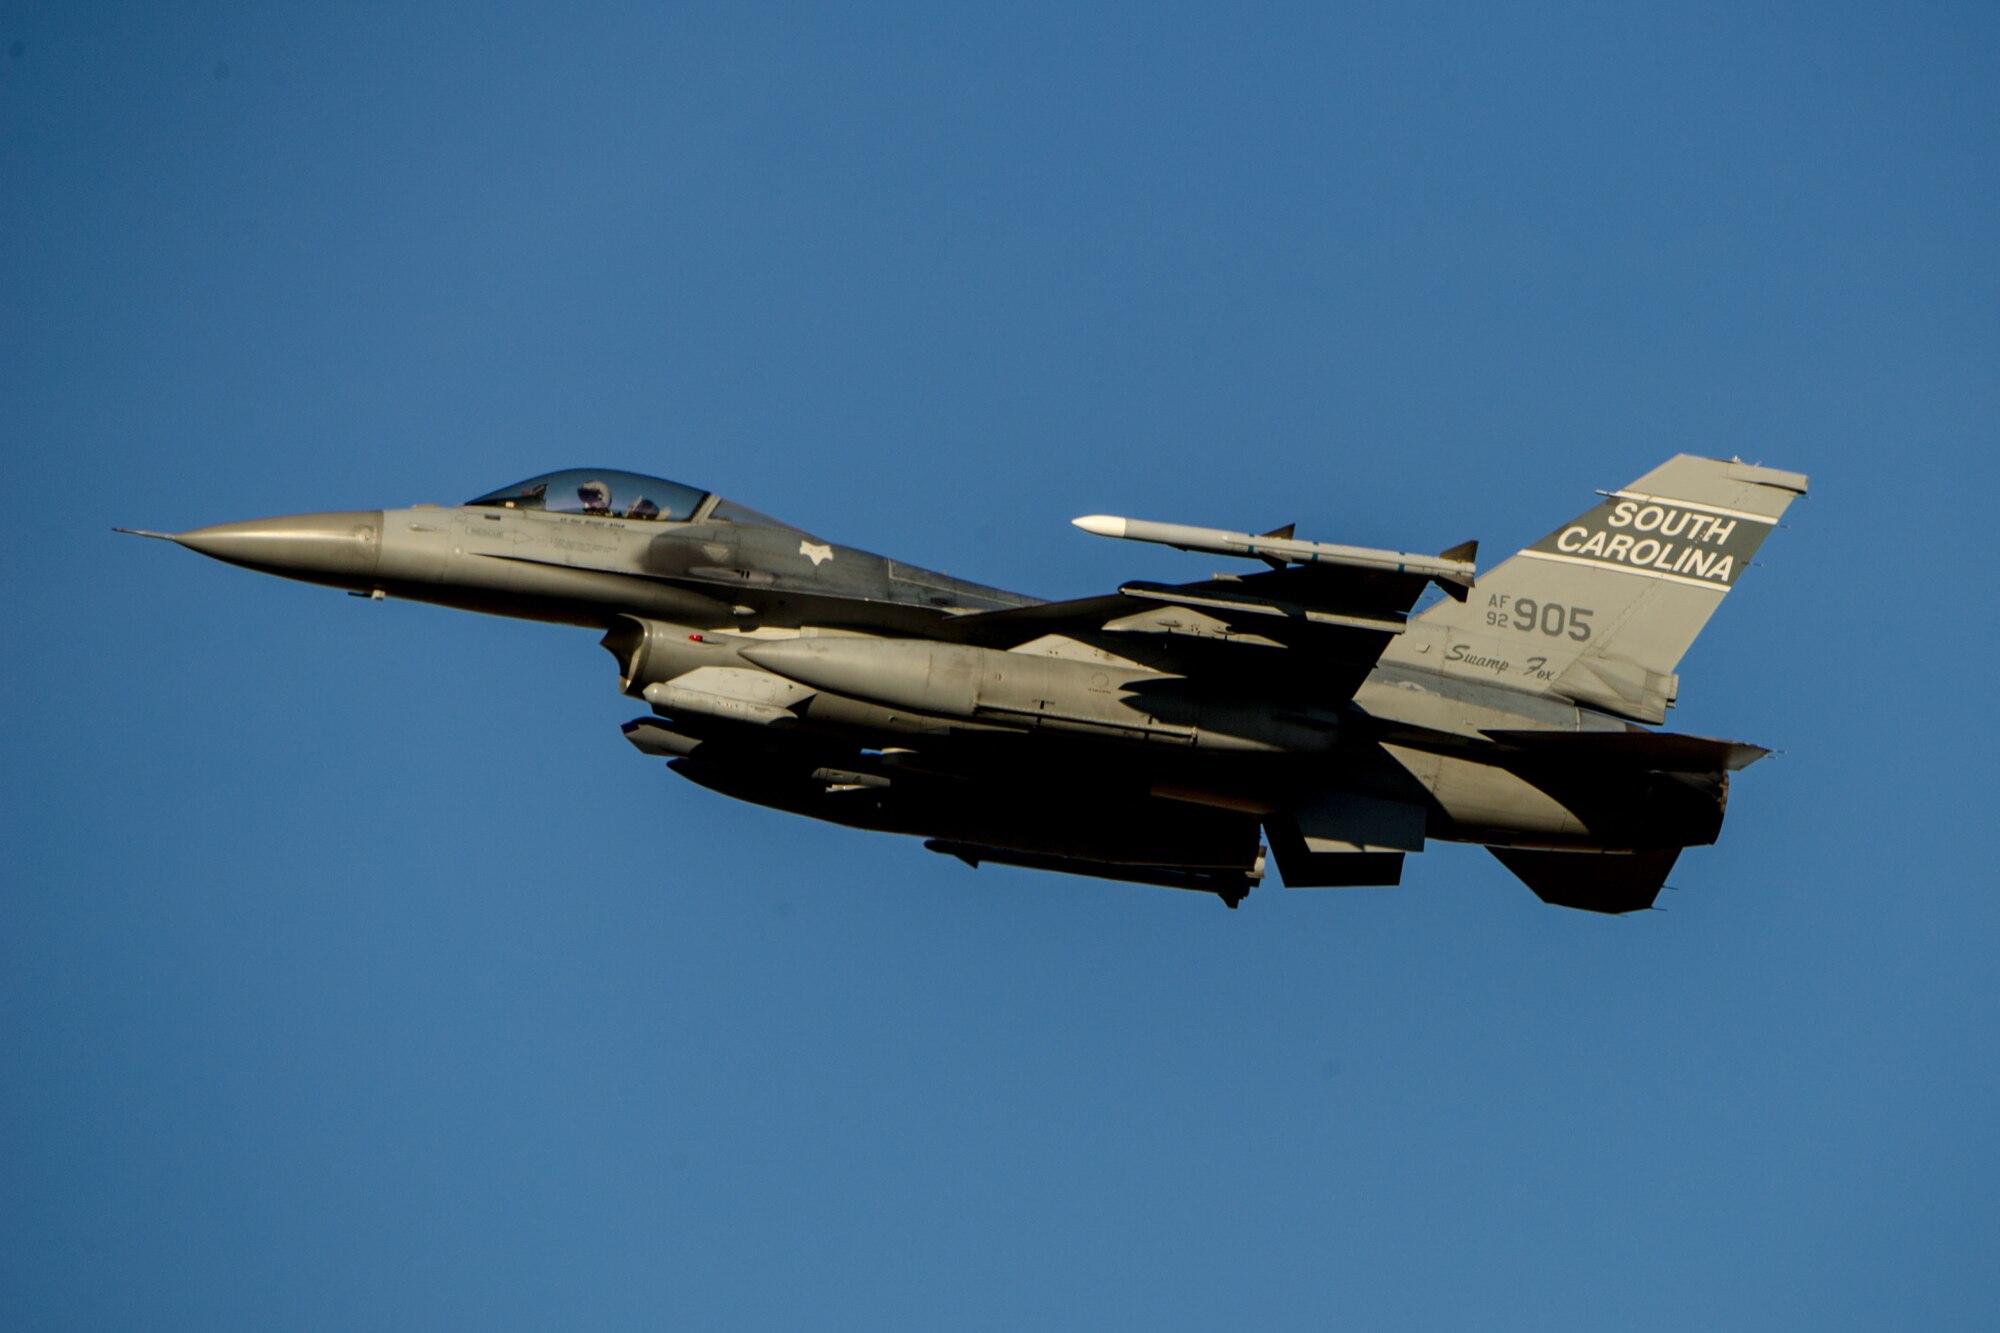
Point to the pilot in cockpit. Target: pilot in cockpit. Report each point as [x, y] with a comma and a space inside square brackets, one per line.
[596, 497]
[643, 508]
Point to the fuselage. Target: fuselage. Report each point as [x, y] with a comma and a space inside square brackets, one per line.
[1312, 710]
[862, 666]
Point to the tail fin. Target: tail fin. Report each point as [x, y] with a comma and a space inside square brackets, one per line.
[1601, 610]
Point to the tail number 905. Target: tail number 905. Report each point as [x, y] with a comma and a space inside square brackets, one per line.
[1551, 618]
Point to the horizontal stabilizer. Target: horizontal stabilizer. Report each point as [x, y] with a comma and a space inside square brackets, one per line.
[1610, 882]
[1664, 751]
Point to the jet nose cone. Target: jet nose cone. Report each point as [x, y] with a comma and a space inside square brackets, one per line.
[332, 546]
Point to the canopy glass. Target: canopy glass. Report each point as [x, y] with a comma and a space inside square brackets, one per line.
[600, 491]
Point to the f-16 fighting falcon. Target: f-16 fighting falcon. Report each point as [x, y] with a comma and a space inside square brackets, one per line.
[1159, 733]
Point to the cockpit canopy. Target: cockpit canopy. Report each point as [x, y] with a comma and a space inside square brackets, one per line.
[599, 491]
[611, 494]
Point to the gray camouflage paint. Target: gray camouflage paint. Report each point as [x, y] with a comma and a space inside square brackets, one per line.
[1151, 734]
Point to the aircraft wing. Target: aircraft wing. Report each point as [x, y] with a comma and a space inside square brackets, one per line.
[1345, 618]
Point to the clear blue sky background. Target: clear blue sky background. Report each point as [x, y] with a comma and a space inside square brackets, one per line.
[355, 973]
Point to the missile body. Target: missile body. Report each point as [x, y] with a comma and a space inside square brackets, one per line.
[1446, 569]
[1032, 692]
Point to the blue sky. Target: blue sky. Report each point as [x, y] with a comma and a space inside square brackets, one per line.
[354, 972]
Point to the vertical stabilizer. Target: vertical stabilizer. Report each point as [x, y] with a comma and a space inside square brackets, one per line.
[1601, 610]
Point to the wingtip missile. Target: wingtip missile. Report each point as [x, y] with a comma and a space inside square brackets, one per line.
[1101, 525]
[1453, 570]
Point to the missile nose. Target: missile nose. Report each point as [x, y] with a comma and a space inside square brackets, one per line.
[305, 546]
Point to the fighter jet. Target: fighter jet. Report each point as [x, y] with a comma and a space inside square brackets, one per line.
[1159, 733]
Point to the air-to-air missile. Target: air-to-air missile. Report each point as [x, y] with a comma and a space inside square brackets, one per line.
[1452, 570]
